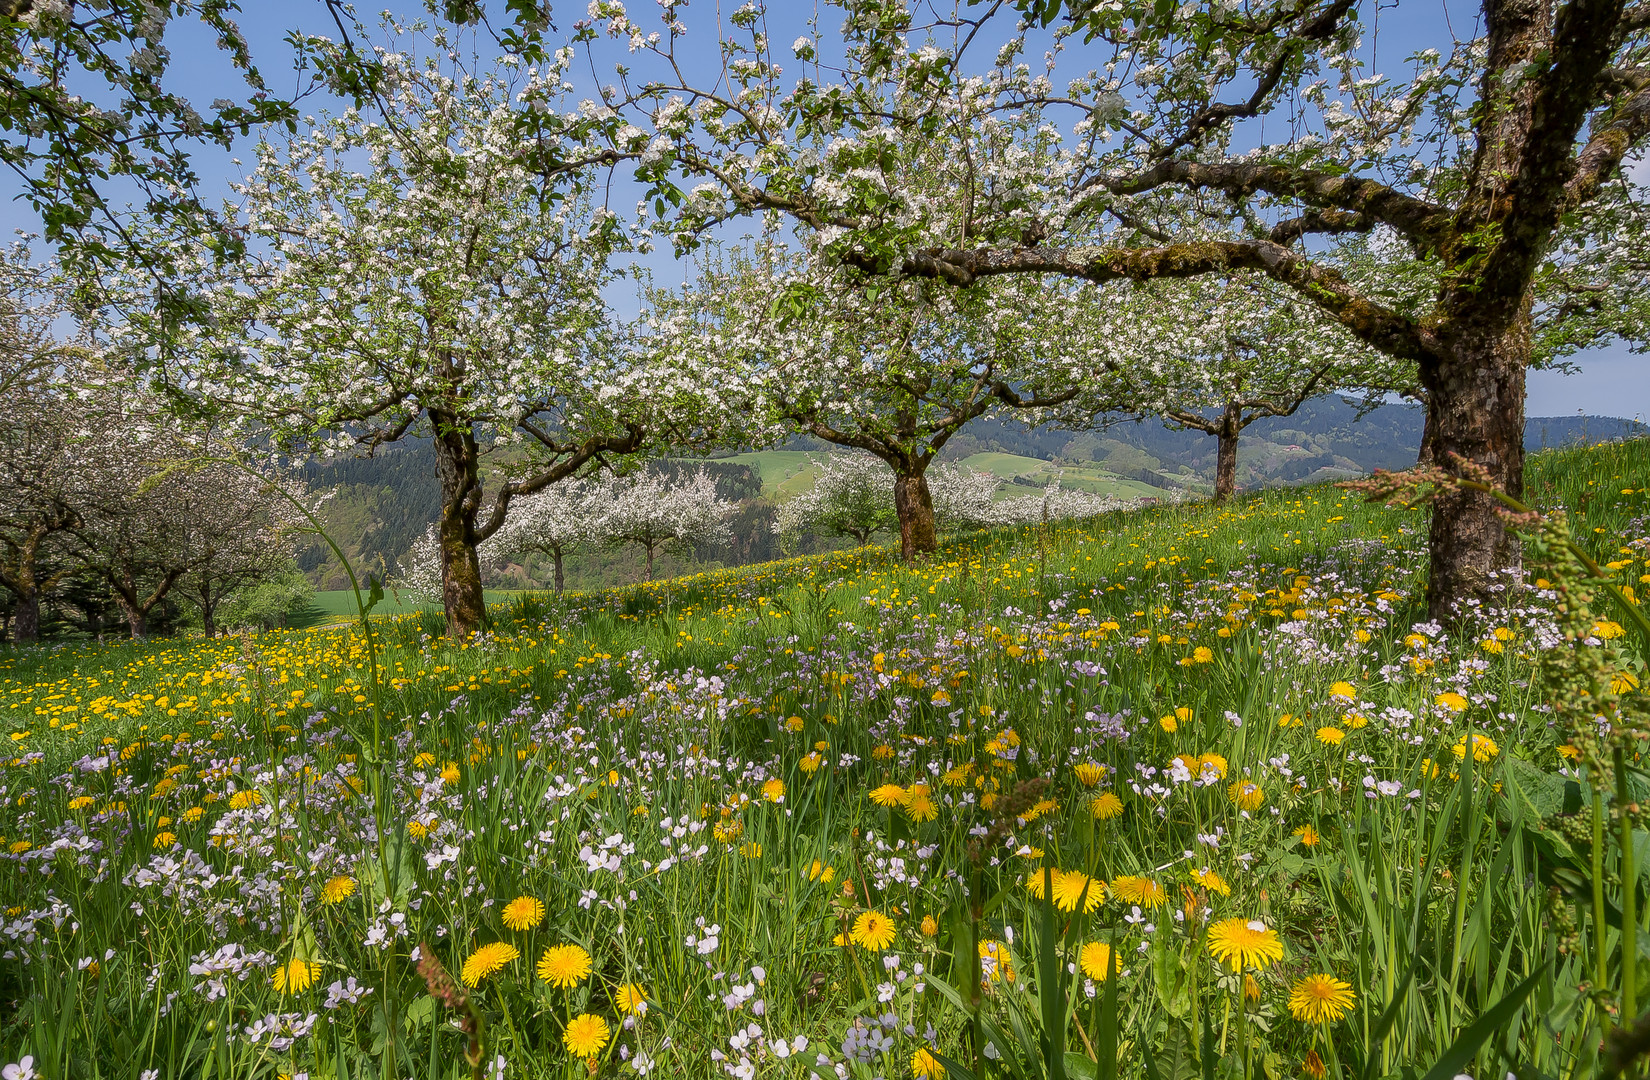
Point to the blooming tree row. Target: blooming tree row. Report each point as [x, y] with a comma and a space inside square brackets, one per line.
[644, 509]
[1158, 142]
[853, 496]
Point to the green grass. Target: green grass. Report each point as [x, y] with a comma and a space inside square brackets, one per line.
[804, 725]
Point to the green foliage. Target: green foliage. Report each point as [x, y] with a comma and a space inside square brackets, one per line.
[594, 716]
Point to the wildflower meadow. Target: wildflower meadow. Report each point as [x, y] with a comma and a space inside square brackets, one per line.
[1174, 792]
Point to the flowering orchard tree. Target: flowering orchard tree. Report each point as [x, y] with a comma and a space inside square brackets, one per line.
[558, 521]
[1171, 141]
[56, 429]
[656, 514]
[894, 371]
[1219, 354]
[421, 274]
[965, 498]
[852, 495]
[1057, 504]
[233, 528]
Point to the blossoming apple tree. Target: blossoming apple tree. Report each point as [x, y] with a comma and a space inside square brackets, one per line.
[1156, 141]
[894, 372]
[425, 271]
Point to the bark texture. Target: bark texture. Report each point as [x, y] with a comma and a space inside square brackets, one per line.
[915, 507]
[1477, 415]
[1231, 427]
[458, 464]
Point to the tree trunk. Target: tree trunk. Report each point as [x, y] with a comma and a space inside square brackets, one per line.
[649, 548]
[137, 620]
[1476, 411]
[915, 507]
[26, 627]
[458, 464]
[1429, 438]
[556, 561]
[208, 623]
[1226, 455]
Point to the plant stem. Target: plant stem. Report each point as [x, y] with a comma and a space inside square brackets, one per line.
[1629, 895]
[1601, 968]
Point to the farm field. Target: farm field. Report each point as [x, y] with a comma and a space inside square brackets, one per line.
[1077, 477]
[1168, 787]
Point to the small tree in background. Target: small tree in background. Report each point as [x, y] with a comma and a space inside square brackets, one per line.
[558, 521]
[1215, 355]
[657, 515]
[853, 496]
[1057, 504]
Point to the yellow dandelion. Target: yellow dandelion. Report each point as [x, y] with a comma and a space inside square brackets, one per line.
[295, 976]
[1202, 655]
[1096, 960]
[774, 790]
[631, 999]
[1483, 748]
[925, 1065]
[1105, 806]
[1331, 736]
[1140, 891]
[1452, 701]
[1320, 999]
[873, 930]
[1090, 774]
[164, 839]
[449, 773]
[1072, 886]
[888, 795]
[564, 966]
[1313, 1065]
[338, 889]
[1308, 835]
[585, 1035]
[930, 926]
[1607, 629]
[523, 913]
[487, 961]
[1623, 681]
[821, 873]
[1344, 690]
[1212, 881]
[919, 805]
[996, 964]
[1246, 796]
[1242, 943]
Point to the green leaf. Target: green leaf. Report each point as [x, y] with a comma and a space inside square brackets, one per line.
[1540, 794]
[1080, 1067]
[1178, 1062]
[1466, 1045]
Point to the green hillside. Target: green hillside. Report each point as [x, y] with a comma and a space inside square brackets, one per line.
[1234, 714]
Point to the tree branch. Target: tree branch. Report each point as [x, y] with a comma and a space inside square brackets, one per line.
[577, 456]
[1316, 29]
[1628, 124]
[1413, 217]
[1381, 327]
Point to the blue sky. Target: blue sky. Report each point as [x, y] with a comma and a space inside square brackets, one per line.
[1611, 382]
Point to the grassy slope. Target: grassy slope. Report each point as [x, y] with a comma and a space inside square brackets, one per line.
[903, 674]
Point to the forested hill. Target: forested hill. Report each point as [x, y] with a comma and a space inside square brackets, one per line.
[382, 504]
[1325, 438]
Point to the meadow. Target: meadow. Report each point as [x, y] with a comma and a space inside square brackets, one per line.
[1188, 791]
